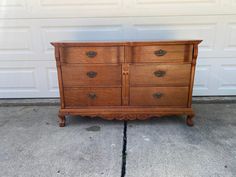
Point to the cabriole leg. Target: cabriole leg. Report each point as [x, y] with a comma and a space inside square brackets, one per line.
[62, 120]
[189, 120]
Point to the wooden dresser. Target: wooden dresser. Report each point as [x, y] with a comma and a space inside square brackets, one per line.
[126, 80]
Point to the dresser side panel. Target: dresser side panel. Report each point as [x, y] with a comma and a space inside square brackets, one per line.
[59, 75]
[193, 67]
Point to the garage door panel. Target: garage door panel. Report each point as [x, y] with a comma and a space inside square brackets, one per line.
[27, 64]
[112, 8]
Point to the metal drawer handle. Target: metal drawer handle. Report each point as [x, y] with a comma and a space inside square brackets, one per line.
[160, 52]
[159, 73]
[92, 96]
[91, 74]
[91, 54]
[157, 95]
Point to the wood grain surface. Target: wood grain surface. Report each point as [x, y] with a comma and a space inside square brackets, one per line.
[121, 80]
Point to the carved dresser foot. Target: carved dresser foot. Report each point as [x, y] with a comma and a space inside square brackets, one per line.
[62, 120]
[189, 120]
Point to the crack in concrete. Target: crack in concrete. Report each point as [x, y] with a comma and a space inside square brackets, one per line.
[124, 150]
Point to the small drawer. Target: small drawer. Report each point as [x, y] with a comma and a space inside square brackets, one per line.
[75, 97]
[162, 53]
[91, 75]
[160, 74]
[91, 54]
[159, 96]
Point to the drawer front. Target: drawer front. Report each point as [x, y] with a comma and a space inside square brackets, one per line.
[91, 54]
[75, 97]
[162, 74]
[159, 96]
[162, 53]
[75, 76]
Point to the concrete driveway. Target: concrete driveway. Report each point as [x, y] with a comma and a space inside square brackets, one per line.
[32, 144]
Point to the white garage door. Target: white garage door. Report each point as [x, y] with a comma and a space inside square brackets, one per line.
[27, 67]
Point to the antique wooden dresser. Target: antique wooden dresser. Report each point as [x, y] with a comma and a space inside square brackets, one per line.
[126, 80]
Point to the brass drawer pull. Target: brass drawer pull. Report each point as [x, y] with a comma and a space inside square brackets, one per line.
[91, 54]
[159, 73]
[160, 52]
[91, 74]
[92, 96]
[157, 95]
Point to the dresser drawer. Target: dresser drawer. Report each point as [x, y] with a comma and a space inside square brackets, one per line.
[158, 96]
[92, 97]
[91, 54]
[91, 75]
[160, 74]
[162, 53]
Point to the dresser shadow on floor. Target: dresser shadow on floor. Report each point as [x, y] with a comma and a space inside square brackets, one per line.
[166, 120]
[77, 120]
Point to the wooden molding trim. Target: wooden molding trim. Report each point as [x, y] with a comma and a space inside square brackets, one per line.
[127, 114]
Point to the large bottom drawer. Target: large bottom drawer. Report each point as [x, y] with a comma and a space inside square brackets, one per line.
[75, 97]
[158, 96]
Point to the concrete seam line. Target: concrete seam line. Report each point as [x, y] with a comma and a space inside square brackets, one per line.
[124, 150]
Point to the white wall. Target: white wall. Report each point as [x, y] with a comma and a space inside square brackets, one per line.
[27, 67]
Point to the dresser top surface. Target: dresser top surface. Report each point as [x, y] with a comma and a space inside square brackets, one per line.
[130, 43]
